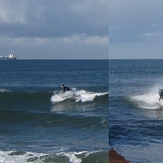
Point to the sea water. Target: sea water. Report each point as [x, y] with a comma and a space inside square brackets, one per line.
[39, 123]
[135, 112]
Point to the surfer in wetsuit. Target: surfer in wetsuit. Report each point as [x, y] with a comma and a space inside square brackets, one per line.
[161, 94]
[64, 88]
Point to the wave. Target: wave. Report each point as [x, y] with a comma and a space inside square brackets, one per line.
[30, 97]
[36, 108]
[4, 90]
[45, 120]
[76, 95]
[26, 100]
[148, 100]
[64, 157]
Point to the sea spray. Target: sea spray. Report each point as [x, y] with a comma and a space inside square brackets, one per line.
[147, 101]
[77, 96]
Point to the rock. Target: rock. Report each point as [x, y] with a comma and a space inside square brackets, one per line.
[114, 157]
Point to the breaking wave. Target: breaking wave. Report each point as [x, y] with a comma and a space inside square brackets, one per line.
[77, 95]
[64, 157]
[147, 101]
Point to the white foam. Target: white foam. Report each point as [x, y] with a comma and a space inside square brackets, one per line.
[4, 90]
[77, 95]
[8, 157]
[5, 157]
[147, 101]
[85, 96]
[59, 97]
[73, 156]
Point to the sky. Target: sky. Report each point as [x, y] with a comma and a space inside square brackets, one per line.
[135, 29]
[54, 29]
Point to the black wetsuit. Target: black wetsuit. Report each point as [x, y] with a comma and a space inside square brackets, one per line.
[66, 89]
[161, 94]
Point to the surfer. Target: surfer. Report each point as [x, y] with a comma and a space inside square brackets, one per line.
[64, 88]
[161, 94]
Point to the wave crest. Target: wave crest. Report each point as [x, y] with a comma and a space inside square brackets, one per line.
[77, 95]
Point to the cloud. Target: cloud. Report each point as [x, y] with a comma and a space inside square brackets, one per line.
[134, 12]
[69, 41]
[74, 47]
[136, 33]
[54, 29]
[53, 18]
[135, 21]
[135, 29]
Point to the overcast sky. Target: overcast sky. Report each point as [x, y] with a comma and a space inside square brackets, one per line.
[54, 29]
[135, 29]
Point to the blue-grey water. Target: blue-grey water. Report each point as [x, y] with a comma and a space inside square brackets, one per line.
[135, 112]
[39, 123]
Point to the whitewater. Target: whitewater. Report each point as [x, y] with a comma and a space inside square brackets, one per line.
[76, 95]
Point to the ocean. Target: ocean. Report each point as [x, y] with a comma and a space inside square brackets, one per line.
[135, 112]
[41, 124]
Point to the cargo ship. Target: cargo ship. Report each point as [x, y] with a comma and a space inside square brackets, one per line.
[9, 57]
